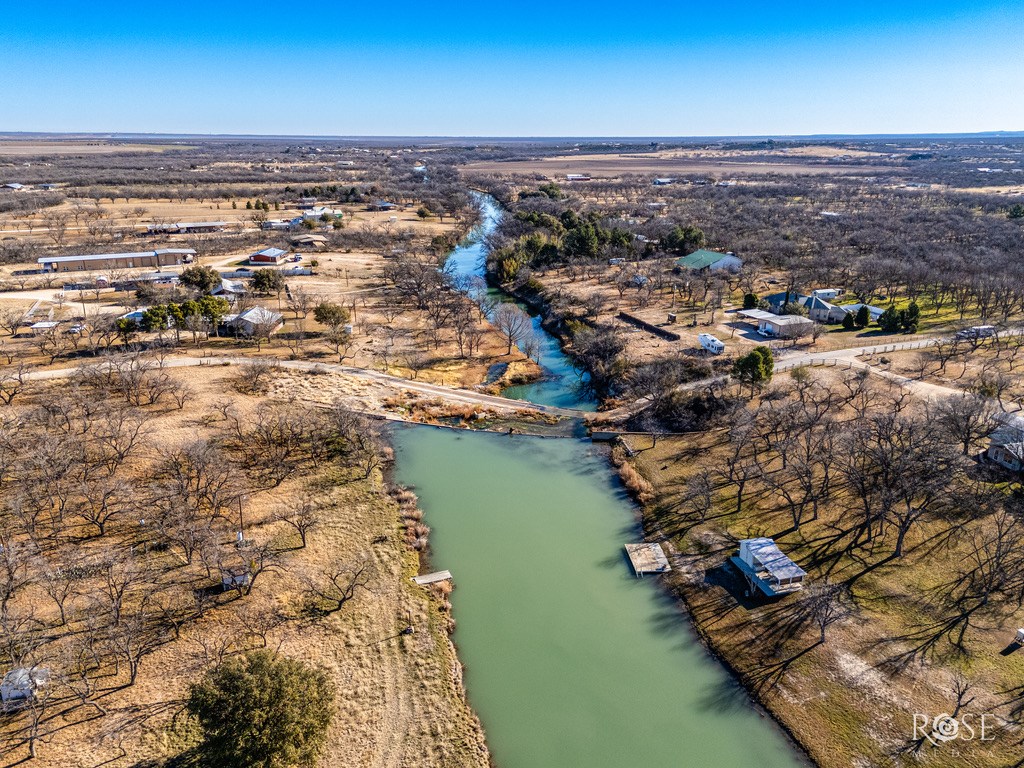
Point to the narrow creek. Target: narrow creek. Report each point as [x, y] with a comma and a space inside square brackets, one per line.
[570, 660]
[560, 385]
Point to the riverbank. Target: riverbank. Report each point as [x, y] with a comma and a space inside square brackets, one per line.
[845, 701]
[570, 660]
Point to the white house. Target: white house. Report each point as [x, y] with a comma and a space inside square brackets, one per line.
[1006, 444]
[248, 322]
[873, 312]
[778, 326]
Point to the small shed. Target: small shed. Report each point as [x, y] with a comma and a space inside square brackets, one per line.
[234, 578]
[767, 569]
[19, 686]
[43, 327]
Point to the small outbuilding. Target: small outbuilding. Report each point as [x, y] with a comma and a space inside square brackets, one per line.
[43, 327]
[20, 686]
[309, 241]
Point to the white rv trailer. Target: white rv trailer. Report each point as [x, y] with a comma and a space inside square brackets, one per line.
[711, 344]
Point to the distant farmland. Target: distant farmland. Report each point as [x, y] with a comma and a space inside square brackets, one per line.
[609, 166]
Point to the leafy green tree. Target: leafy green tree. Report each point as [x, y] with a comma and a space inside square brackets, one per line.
[330, 314]
[684, 240]
[863, 316]
[891, 321]
[551, 190]
[755, 368]
[155, 319]
[750, 301]
[581, 242]
[201, 279]
[126, 328]
[911, 318]
[1016, 211]
[849, 322]
[267, 281]
[262, 710]
[213, 308]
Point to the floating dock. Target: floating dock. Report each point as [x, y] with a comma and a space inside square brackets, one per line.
[431, 578]
[647, 557]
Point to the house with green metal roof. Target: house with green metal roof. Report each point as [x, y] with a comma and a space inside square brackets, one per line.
[711, 260]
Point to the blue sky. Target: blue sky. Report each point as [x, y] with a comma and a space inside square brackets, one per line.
[513, 69]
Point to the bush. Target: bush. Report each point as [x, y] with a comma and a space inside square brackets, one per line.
[261, 710]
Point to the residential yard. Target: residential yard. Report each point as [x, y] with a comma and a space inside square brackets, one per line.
[851, 700]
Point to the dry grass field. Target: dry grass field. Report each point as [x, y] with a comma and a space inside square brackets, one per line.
[725, 164]
[400, 700]
[85, 220]
[41, 147]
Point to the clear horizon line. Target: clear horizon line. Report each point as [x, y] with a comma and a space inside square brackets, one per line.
[511, 138]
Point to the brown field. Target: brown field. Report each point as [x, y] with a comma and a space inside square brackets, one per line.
[613, 166]
[35, 147]
[399, 699]
[134, 215]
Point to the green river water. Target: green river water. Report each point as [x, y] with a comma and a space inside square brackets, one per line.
[570, 660]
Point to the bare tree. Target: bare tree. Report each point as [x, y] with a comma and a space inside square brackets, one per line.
[512, 323]
[303, 515]
[966, 418]
[340, 581]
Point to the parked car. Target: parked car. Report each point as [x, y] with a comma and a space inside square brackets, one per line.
[977, 332]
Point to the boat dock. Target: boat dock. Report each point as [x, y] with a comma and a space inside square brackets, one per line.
[431, 578]
[647, 557]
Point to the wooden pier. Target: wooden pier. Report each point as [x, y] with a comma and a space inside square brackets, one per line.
[431, 578]
[647, 557]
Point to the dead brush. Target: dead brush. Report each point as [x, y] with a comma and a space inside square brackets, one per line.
[637, 485]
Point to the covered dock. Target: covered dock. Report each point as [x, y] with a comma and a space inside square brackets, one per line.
[767, 569]
[647, 557]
